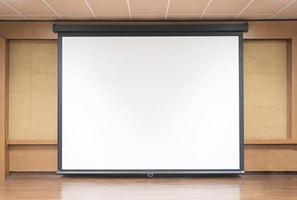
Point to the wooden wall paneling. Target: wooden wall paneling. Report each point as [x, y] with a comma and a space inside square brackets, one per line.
[284, 31]
[27, 30]
[271, 30]
[32, 158]
[271, 154]
[31, 155]
[32, 142]
[3, 110]
[258, 30]
[271, 141]
[271, 158]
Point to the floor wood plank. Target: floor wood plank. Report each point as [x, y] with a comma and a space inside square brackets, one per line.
[250, 187]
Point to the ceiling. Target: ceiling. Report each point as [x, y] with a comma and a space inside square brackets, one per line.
[147, 9]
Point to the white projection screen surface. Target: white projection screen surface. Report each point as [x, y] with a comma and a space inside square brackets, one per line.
[150, 104]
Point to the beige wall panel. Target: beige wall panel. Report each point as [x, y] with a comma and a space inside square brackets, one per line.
[256, 50]
[270, 158]
[32, 158]
[19, 114]
[20, 59]
[33, 90]
[45, 57]
[265, 89]
[265, 123]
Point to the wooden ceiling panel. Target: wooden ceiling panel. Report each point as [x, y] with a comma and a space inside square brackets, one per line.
[109, 6]
[187, 7]
[73, 7]
[265, 7]
[150, 7]
[31, 7]
[226, 7]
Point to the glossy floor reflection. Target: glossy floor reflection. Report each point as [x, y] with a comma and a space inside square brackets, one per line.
[45, 187]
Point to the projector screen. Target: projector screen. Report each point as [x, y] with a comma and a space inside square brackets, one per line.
[150, 104]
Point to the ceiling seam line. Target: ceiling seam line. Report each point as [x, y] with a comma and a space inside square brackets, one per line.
[90, 8]
[14, 9]
[129, 9]
[167, 9]
[205, 9]
[283, 8]
[52, 9]
[244, 9]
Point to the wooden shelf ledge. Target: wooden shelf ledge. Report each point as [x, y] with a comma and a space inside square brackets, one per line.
[32, 142]
[270, 142]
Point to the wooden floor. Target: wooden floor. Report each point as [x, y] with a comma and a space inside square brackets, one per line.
[251, 187]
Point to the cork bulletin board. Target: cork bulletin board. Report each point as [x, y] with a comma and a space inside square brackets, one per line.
[32, 89]
[265, 89]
